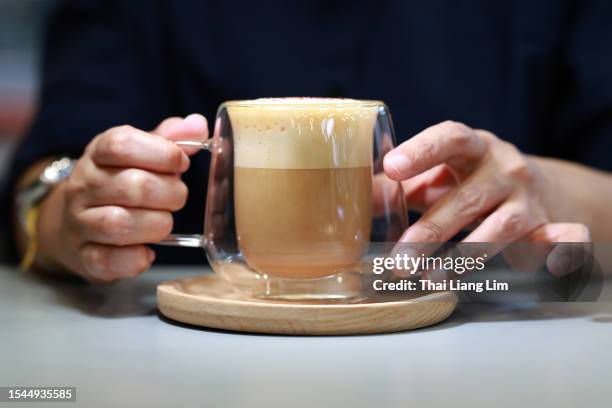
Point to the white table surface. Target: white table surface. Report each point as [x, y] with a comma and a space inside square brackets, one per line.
[116, 349]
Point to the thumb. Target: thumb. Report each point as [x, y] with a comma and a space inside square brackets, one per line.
[192, 127]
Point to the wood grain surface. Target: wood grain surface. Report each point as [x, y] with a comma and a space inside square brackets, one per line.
[208, 301]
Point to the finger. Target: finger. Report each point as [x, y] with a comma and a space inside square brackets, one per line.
[566, 258]
[192, 127]
[125, 146]
[420, 191]
[458, 208]
[106, 263]
[427, 188]
[448, 142]
[573, 244]
[508, 223]
[561, 232]
[136, 188]
[539, 248]
[124, 226]
[166, 124]
[386, 194]
[388, 200]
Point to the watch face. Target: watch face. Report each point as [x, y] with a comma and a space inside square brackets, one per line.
[56, 171]
[50, 175]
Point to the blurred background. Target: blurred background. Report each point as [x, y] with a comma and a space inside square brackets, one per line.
[21, 27]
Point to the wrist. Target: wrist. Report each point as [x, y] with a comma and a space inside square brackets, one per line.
[38, 212]
[52, 240]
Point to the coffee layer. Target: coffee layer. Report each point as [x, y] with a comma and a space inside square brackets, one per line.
[303, 223]
[303, 133]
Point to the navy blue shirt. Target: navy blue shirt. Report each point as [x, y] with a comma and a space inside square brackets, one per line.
[536, 73]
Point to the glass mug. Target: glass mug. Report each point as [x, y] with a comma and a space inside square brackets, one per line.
[296, 195]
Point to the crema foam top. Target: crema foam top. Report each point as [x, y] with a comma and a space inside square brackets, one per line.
[303, 133]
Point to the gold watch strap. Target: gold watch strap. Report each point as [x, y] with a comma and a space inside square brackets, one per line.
[31, 257]
[31, 230]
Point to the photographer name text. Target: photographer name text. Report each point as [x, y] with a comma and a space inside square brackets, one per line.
[427, 285]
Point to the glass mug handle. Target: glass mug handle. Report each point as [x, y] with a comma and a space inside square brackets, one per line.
[188, 240]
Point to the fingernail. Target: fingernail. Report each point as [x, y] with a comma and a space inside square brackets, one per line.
[195, 120]
[398, 163]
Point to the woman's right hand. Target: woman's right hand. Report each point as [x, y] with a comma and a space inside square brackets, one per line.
[119, 197]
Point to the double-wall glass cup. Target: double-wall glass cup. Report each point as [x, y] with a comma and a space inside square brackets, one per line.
[297, 196]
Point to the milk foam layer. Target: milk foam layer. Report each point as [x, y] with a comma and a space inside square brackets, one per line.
[303, 133]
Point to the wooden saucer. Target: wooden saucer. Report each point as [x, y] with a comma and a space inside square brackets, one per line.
[208, 301]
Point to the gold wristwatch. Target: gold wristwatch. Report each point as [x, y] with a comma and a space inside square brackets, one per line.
[28, 203]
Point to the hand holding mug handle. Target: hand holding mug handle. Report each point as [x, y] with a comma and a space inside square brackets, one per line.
[188, 240]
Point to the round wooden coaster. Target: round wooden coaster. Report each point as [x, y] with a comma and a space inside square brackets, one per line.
[208, 301]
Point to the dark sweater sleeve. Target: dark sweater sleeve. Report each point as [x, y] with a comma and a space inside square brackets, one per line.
[101, 68]
[585, 118]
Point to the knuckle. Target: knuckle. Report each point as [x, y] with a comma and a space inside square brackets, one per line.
[459, 139]
[430, 231]
[511, 224]
[509, 149]
[469, 200]
[116, 225]
[450, 125]
[458, 134]
[520, 169]
[116, 141]
[122, 129]
[489, 137]
[138, 185]
[117, 218]
[453, 127]
[96, 263]
[135, 178]
[426, 152]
